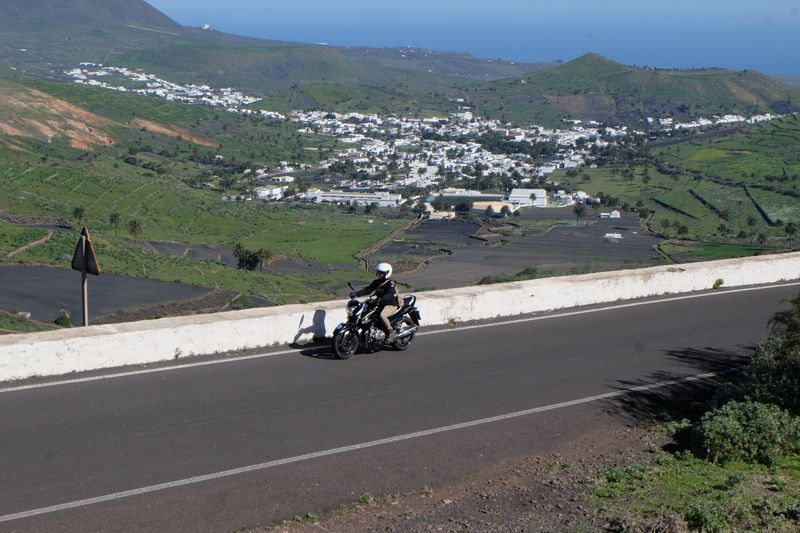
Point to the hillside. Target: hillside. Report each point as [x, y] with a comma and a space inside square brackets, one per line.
[592, 87]
[40, 38]
[64, 147]
[31, 16]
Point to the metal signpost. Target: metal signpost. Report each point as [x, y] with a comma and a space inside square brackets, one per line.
[85, 261]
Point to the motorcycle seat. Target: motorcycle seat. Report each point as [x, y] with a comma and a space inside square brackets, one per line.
[407, 303]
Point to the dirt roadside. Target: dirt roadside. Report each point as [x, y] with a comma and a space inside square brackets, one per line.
[539, 493]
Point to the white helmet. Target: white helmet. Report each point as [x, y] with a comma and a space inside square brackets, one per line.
[385, 268]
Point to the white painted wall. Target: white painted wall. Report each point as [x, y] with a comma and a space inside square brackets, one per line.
[95, 347]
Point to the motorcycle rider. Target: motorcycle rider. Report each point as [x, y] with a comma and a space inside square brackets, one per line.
[385, 291]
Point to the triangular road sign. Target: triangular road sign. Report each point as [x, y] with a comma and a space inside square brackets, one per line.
[85, 258]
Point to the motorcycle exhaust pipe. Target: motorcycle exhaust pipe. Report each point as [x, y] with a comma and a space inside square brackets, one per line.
[407, 332]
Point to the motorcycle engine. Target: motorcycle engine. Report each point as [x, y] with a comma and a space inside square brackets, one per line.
[375, 337]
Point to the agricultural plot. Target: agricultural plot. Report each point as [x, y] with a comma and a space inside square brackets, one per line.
[779, 207]
[706, 197]
[24, 287]
[567, 248]
[168, 210]
[120, 257]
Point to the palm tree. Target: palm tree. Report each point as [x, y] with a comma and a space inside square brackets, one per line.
[134, 228]
[79, 213]
[791, 230]
[643, 215]
[226, 183]
[579, 210]
[263, 257]
[113, 219]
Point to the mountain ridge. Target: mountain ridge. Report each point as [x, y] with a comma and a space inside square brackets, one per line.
[42, 38]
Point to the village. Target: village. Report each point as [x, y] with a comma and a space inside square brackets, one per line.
[388, 156]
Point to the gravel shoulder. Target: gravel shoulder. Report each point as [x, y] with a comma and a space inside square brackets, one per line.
[536, 493]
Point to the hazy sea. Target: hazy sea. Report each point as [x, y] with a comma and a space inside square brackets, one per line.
[739, 43]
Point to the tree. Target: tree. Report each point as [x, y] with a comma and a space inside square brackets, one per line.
[643, 215]
[489, 211]
[226, 183]
[440, 204]
[135, 229]
[238, 251]
[114, 219]
[463, 207]
[791, 230]
[505, 211]
[579, 211]
[79, 213]
[263, 257]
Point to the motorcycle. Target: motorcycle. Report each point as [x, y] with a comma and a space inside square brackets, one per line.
[361, 328]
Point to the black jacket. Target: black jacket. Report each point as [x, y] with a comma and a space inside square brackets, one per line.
[385, 291]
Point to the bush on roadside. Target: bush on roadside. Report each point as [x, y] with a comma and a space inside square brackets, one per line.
[243, 301]
[748, 431]
[774, 374]
[63, 320]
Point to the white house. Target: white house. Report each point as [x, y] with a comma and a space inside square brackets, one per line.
[270, 193]
[528, 197]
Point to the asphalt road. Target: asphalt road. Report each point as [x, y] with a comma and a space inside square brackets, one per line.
[251, 441]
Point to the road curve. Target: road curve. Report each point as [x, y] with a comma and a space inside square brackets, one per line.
[246, 442]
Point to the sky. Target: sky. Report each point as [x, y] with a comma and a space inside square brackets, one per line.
[760, 35]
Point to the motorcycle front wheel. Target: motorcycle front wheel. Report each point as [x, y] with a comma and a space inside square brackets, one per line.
[345, 343]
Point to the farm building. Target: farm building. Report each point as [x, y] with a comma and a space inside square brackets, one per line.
[528, 197]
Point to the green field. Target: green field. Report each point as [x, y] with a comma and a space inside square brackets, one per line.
[715, 187]
[160, 180]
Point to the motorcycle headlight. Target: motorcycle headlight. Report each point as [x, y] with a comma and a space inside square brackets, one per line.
[352, 307]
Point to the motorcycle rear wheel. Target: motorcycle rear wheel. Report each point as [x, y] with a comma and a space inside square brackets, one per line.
[345, 343]
[403, 343]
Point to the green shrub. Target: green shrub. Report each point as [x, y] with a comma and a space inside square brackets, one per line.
[63, 320]
[748, 431]
[774, 374]
[244, 301]
[706, 518]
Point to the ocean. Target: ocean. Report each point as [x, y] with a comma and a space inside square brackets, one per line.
[736, 42]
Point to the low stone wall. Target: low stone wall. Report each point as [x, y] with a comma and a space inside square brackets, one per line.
[112, 345]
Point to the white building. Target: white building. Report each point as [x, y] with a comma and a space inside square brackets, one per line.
[383, 199]
[528, 197]
[270, 193]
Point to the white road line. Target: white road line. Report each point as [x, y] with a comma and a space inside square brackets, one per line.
[422, 333]
[343, 449]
